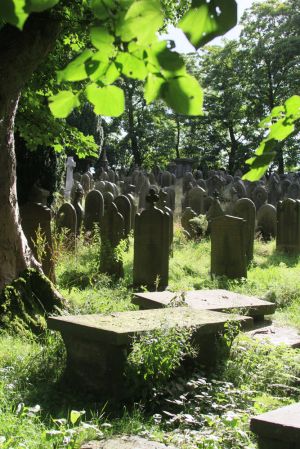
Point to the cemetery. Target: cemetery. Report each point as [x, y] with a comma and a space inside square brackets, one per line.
[149, 224]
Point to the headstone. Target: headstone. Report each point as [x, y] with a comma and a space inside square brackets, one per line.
[93, 209]
[245, 208]
[70, 165]
[35, 219]
[188, 179]
[166, 179]
[188, 215]
[86, 183]
[195, 199]
[124, 207]
[162, 205]
[111, 232]
[215, 210]
[78, 207]
[294, 191]
[259, 196]
[66, 219]
[266, 222]
[288, 226]
[151, 247]
[133, 209]
[228, 255]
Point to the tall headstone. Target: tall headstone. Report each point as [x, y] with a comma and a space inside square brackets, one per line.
[36, 219]
[124, 207]
[93, 209]
[151, 247]
[66, 219]
[245, 208]
[86, 183]
[228, 255]
[288, 226]
[266, 222]
[195, 199]
[78, 207]
[111, 232]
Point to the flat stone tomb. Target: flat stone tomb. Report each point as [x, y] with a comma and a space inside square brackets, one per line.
[216, 300]
[98, 345]
[278, 429]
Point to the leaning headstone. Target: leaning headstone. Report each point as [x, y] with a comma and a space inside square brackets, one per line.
[36, 223]
[288, 226]
[111, 232]
[93, 209]
[151, 247]
[245, 208]
[124, 207]
[228, 255]
[266, 222]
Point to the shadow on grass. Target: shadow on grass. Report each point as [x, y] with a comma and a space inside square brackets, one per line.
[280, 257]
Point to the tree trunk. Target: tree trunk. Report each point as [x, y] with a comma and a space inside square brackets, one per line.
[233, 150]
[20, 54]
[132, 133]
[177, 143]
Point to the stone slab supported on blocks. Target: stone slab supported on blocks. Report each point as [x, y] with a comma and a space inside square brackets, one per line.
[98, 345]
[216, 300]
[125, 442]
[279, 429]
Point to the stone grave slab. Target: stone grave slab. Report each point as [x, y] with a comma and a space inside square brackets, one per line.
[277, 335]
[278, 429]
[98, 345]
[125, 442]
[216, 300]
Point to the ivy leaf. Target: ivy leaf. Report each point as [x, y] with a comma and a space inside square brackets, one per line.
[12, 11]
[76, 69]
[131, 66]
[184, 95]
[153, 87]
[39, 5]
[142, 20]
[108, 101]
[204, 21]
[62, 104]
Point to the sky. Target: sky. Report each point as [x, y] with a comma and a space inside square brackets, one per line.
[183, 45]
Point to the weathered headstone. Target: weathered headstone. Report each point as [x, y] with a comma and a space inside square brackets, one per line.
[111, 232]
[66, 219]
[288, 226]
[124, 207]
[70, 165]
[228, 255]
[245, 208]
[93, 209]
[195, 199]
[259, 196]
[266, 222]
[36, 222]
[78, 207]
[86, 183]
[188, 215]
[151, 247]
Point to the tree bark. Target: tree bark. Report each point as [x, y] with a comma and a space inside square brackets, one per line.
[233, 150]
[177, 143]
[132, 133]
[20, 54]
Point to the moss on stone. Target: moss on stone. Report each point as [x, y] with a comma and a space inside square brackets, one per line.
[26, 302]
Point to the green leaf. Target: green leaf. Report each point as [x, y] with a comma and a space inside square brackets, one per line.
[142, 20]
[108, 101]
[62, 104]
[184, 95]
[280, 130]
[39, 5]
[12, 11]
[75, 415]
[76, 69]
[102, 70]
[103, 41]
[292, 107]
[152, 87]
[204, 21]
[101, 8]
[131, 66]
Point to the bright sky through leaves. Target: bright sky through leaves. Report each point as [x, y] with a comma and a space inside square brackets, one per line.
[183, 45]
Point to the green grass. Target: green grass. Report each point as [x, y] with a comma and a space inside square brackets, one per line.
[192, 411]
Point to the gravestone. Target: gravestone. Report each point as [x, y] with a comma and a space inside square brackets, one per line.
[266, 222]
[288, 226]
[195, 199]
[215, 210]
[151, 247]
[133, 209]
[70, 165]
[66, 219]
[93, 209]
[166, 179]
[111, 232]
[86, 183]
[78, 195]
[294, 191]
[228, 254]
[187, 182]
[245, 208]
[259, 196]
[162, 205]
[188, 215]
[36, 219]
[171, 197]
[143, 192]
[124, 207]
